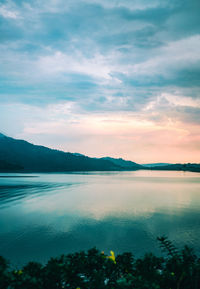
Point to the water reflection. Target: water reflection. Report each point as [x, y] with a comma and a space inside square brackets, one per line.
[55, 214]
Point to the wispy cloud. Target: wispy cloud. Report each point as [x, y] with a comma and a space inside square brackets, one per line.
[8, 12]
[139, 59]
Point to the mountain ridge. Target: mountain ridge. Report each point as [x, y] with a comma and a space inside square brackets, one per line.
[124, 163]
[20, 155]
[156, 165]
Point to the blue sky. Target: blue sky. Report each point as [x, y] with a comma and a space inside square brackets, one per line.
[99, 77]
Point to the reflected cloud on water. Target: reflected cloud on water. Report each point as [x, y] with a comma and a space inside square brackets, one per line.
[55, 214]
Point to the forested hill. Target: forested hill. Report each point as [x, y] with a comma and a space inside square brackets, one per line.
[20, 155]
[24, 156]
[178, 167]
[129, 165]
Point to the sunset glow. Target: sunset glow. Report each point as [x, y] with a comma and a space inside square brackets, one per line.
[103, 78]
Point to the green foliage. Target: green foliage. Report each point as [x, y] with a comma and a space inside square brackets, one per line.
[179, 269]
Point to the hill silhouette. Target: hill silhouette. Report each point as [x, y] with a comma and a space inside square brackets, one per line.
[20, 155]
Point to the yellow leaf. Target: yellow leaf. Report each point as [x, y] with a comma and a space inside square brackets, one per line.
[20, 272]
[112, 256]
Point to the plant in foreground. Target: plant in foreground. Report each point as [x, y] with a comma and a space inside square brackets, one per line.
[179, 269]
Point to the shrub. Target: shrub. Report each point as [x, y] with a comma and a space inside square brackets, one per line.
[179, 269]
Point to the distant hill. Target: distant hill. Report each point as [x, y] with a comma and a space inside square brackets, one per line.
[78, 155]
[156, 165]
[9, 167]
[178, 167]
[129, 165]
[20, 155]
[2, 135]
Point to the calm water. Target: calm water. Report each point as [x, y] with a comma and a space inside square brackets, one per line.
[51, 214]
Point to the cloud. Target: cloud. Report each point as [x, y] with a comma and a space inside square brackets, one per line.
[62, 63]
[8, 11]
[135, 136]
[105, 58]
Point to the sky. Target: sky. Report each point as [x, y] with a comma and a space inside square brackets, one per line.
[117, 78]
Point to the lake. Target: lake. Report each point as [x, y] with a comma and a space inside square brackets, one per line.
[46, 215]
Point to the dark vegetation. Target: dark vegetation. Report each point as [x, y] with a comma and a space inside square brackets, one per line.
[155, 165]
[21, 156]
[129, 165]
[179, 167]
[9, 167]
[179, 269]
